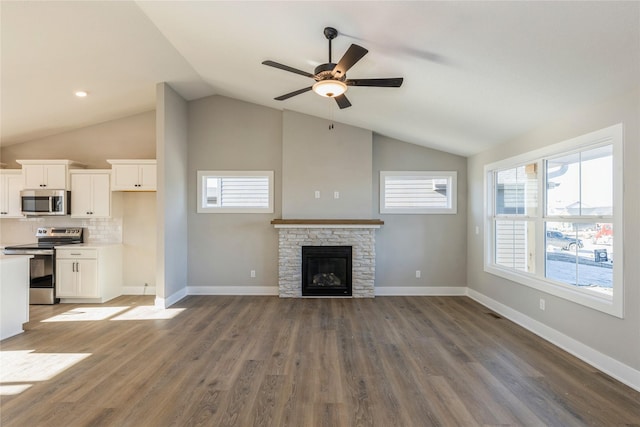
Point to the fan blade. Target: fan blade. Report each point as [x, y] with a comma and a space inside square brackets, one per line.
[294, 93]
[393, 82]
[342, 101]
[287, 68]
[351, 56]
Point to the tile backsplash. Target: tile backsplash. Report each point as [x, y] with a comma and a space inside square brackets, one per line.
[96, 230]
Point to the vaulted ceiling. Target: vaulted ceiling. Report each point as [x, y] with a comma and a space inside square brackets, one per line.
[476, 74]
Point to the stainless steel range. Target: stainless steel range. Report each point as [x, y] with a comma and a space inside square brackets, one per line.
[42, 278]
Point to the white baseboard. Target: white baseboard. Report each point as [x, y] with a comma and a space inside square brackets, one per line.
[232, 290]
[172, 299]
[397, 291]
[138, 290]
[610, 366]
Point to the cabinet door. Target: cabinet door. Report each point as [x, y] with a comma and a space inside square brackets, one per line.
[10, 186]
[33, 176]
[87, 271]
[124, 177]
[101, 191]
[66, 278]
[13, 203]
[91, 195]
[81, 203]
[55, 177]
[147, 176]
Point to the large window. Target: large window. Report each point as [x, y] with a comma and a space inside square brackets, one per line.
[418, 192]
[235, 192]
[551, 219]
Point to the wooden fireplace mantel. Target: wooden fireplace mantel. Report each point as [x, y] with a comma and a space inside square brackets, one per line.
[327, 223]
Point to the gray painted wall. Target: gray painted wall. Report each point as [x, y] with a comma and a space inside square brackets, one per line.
[171, 148]
[317, 158]
[617, 338]
[434, 244]
[226, 134]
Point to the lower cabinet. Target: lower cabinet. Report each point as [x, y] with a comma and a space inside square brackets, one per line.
[93, 274]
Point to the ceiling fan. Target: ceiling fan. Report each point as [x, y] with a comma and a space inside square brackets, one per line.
[331, 79]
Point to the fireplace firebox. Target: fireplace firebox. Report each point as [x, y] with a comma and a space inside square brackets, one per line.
[326, 270]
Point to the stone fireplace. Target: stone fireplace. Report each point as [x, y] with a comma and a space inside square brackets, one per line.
[359, 235]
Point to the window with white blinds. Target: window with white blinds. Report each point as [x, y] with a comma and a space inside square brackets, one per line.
[235, 191]
[418, 192]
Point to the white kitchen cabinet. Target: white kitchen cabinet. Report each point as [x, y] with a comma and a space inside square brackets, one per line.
[90, 193]
[47, 174]
[88, 273]
[11, 183]
[77, 278]
[133, 175]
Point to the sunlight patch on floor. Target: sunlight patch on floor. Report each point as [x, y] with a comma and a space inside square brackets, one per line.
[84, 314]
[22, 368]
[149, 312]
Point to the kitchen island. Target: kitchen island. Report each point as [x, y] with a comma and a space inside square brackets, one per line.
[14, 294]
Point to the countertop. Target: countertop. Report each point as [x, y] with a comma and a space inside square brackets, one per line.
[87, 245]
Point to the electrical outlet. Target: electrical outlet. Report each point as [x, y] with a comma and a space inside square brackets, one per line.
[477, 230]
[317, 194]
[418, 274]
[542, 304]
[336, 194]
[253, 273]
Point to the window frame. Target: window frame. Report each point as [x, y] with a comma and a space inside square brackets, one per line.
[201, 192]
[614, 304]
[452, 195]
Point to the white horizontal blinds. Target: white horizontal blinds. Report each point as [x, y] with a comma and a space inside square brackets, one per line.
[416, 192]
[244, 192]
[511, 244]
[212, 191]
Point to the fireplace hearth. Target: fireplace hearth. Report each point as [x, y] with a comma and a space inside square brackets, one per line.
[326, 271]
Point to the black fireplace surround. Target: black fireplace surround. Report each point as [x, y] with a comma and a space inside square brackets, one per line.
[326, 271]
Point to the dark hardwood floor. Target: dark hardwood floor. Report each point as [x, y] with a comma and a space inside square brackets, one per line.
[265, 361]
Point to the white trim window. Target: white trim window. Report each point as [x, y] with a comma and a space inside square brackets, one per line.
[551, 216]
[235, 192]
[418, 192]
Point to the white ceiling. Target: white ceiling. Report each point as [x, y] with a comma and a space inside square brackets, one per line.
[476, 74]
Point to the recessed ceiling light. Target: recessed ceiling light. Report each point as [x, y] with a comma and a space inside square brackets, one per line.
[81, 93]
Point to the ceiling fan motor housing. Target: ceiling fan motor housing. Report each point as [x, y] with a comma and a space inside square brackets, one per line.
[325, 71]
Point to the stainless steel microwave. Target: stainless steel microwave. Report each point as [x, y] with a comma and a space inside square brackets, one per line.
[45, 202]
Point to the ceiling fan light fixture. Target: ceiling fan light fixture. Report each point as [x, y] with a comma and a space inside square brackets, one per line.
[329, 88]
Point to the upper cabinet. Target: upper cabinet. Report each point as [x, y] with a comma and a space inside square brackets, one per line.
[133, 175]
[91, 193]
[10, 185]
[47, 174]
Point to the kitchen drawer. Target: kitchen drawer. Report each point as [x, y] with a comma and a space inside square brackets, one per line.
[76, 254]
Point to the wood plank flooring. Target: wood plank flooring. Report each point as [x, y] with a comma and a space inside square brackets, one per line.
[265, 361]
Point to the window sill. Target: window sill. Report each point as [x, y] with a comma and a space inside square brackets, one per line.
[594, 300]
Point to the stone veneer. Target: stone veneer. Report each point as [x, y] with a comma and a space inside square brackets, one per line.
[292, 238]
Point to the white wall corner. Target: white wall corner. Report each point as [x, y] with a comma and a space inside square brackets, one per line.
[172, 299]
